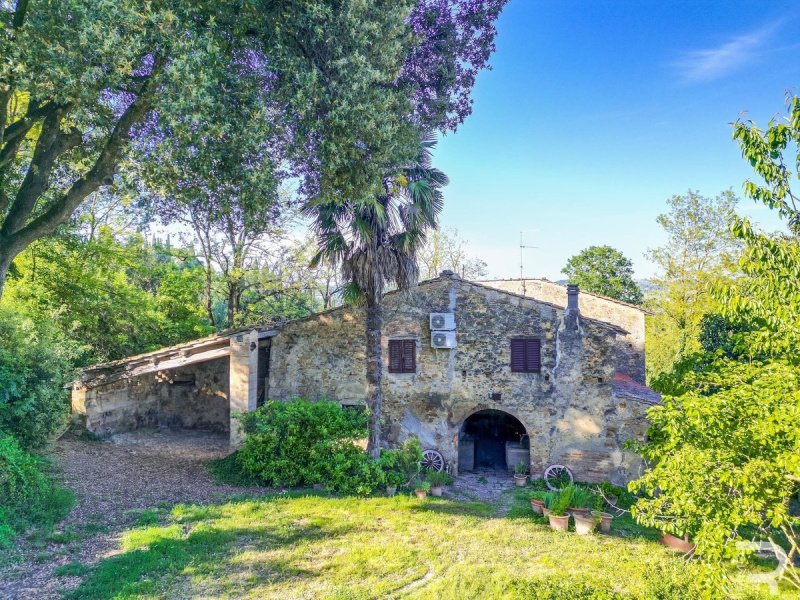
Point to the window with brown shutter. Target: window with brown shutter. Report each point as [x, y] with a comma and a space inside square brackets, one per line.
[402, 356]
[526, 355]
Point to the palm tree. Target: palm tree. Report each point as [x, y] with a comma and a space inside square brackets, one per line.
[376, 241]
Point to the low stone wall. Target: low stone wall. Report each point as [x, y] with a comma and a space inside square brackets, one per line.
[191, 397]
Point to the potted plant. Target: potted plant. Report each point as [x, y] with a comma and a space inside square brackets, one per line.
[558, 517]
[400, 465]
[584, 524]
[422, 488]
[537, 502]
[437, 480]
[676, 543]
[605, 520]
[582, 500]
[520, 474]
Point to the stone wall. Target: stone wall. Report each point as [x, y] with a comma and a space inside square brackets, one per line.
[630, 347]
[569, 409]
[192, 397]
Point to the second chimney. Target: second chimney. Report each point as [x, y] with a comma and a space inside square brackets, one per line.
[572, 297]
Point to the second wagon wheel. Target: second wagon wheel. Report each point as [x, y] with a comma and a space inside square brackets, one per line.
[557, 477]
[432, 460]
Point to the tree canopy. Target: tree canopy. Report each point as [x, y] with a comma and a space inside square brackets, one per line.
[606, 271]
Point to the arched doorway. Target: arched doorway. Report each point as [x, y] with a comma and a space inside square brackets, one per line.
[492, 440]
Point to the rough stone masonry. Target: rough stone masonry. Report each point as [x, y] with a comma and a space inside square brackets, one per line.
[573, 410]
[584, 401]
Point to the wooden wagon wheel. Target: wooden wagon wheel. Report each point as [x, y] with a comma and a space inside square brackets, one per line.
[432, 460]
[557, 477]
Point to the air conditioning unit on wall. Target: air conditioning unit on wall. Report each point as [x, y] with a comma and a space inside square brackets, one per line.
[443, 339]
[443, 321]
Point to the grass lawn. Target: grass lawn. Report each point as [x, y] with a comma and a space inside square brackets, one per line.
[322, 547]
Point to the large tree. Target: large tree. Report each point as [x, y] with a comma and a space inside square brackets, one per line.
[375, 234]
[446, 249]
[700, 252]
[725, 445]
[606, 271]
[376, 242]
[337, 79]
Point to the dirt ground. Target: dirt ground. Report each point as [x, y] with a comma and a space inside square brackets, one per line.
[114, 482]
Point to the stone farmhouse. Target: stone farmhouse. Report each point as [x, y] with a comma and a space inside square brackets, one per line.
[487, 373]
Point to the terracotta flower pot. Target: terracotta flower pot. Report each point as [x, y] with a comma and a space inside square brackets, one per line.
[676, 543]
[537, 506]
[559, 523]
[436, 490]
[421, 494]
[605, 520]
[546, 511]
[584, 524]
[520, 480]
[583, 512]
[391, 490]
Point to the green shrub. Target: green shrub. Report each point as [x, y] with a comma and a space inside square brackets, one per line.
[562, 501]
[401, 465]
[305, 443]
[582, 498]
[34, 368]
[553, 589]
[27, 494]
[439, 478]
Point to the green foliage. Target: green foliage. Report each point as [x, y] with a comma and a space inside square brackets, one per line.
[582, 498]
[606, 271]
[438, 478]
[423, 486]
[401, 465]
[553, 589]
[34, 368]
[304, 443]
[764, 150]
[27, 493]
[725, 457]
[521, 468]
[700, 253]
[561, 500]
[117, 294]
[719, 333]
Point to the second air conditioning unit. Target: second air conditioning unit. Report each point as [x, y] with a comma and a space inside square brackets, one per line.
[443, 339]
[443, 321]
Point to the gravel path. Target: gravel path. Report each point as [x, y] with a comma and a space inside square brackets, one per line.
[114, 481]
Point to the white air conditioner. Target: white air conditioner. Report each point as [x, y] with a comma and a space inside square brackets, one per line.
[443, 321]
[443, 339]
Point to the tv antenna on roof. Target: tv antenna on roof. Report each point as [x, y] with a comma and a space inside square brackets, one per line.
[522, 248]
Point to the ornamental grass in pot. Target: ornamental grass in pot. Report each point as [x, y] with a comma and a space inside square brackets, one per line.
[559, 503]
[582, 500]
[537, 502]
[437, 480]
[520, 474]
[422, 488]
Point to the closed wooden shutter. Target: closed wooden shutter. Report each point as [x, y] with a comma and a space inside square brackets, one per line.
[395, 356]
[526, 355]
[533, 358]
[518, 356]
[402, 356]
[409, 356]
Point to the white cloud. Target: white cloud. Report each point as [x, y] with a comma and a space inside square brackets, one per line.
[714, 63]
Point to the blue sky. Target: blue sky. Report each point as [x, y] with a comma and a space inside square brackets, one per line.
[595, 112]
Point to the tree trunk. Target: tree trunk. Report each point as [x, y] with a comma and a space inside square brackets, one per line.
[374, 374]
[5, 265]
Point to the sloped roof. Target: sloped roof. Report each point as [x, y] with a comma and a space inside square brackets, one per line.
[626, 387]
[598, 296]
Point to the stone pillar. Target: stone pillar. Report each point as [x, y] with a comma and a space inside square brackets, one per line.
[243, 380]
[78, 404]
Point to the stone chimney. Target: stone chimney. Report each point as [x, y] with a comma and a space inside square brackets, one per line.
[572, 298]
